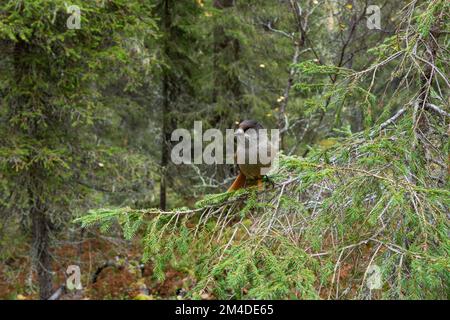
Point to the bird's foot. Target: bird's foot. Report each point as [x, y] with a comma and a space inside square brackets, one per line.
[267, 179]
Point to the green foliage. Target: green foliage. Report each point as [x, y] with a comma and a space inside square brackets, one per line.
[365, 209]
[83, 119]
[378, 197]
[51, 83]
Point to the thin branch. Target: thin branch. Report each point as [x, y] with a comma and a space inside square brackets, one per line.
[388, 122]
[436, 109]
[268, 25]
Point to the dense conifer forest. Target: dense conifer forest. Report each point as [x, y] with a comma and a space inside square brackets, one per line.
[95, 95]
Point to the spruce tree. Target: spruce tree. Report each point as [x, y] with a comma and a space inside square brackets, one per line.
[51, 75]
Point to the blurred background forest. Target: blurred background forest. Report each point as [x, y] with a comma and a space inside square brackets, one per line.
[86, 116]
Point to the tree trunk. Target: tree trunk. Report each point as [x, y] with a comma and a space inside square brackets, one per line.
[41, 247]
[228, 49]
[40, 223]
[227, 86]
[165, 134]
[164, 145]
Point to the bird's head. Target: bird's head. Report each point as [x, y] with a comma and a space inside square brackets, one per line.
[246, 125]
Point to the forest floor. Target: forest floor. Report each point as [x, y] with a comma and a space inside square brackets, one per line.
[114, 263]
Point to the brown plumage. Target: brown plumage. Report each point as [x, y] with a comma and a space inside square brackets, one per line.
[250, 174]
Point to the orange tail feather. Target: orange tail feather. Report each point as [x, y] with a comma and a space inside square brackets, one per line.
[238, 183]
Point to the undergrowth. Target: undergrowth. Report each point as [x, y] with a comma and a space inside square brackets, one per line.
[366, 218]
[315, 234]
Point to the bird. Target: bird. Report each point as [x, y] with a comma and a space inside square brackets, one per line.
[250, 172]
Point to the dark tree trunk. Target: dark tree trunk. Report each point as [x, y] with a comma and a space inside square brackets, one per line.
[165, 134]
[164, 145]
[226, 52]
[41, 247]
[39, 220]
[228, 49]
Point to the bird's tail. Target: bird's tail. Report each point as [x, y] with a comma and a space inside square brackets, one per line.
[238, 183]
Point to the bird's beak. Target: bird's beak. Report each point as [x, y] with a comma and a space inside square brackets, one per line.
[239, 132]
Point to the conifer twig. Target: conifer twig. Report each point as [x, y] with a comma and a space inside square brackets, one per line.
[388, 122]
[435, 108]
